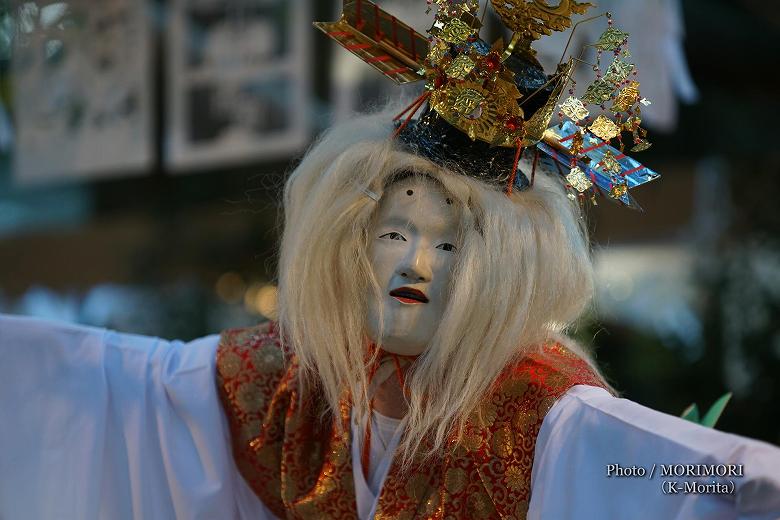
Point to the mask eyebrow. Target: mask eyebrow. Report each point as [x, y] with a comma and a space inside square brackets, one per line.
[397, 221]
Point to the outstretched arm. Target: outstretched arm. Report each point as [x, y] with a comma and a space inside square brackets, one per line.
[595, 455]
[98, 424]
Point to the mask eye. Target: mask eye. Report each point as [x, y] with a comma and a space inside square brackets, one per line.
[447, 247]
[393, 236]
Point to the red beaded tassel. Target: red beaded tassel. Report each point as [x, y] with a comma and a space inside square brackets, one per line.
[412, 109]
[512, 177]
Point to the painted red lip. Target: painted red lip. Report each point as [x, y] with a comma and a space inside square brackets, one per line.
[409, 295]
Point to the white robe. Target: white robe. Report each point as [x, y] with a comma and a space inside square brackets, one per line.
[98, 424]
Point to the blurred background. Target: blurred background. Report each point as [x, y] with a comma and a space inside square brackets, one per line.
[143, 145]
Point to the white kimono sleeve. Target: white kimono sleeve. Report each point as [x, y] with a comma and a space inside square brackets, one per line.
[96, 425]
[598, 456]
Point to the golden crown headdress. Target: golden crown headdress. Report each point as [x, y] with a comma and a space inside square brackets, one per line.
[487, 104]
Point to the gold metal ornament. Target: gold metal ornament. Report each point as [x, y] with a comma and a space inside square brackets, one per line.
[534, 18]
[510, 131]
[467, 102]
[460, 67]
[618, 71]
[618, 190]
[577, 142]
[466, 106]
[536, 125]
[641, 146]
[609, 163]
[474, 89]
[456, 31]
[459, 7]
[574, 109]
[477, 111]
[598, 92]
[604, 128]
[437, 52]
[611, 39]
[578, 180]
[632, 123]
[627, 97]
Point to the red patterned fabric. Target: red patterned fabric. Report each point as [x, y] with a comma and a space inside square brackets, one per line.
[301, 467]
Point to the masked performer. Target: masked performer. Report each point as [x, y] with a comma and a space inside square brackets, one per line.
[429, 269]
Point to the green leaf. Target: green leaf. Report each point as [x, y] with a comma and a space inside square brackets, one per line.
[691, 413]
[713, 414]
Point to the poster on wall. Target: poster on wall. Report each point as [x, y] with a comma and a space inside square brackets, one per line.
[238, 86]
[81, 101]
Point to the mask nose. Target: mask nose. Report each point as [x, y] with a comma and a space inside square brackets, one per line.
[416, 266]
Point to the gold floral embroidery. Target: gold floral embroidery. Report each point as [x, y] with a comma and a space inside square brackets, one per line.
[478, 505]
[516, 387]
[455, 480]
[471, 441]
[523, 420]
[555, 381]
[415, 487]
[267, 359]
[229, 364]
[250, 398]
[302, 468]
[503, 443]
[514, 478]
[489, 413]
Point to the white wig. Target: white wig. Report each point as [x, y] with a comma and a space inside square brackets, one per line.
[523, 275]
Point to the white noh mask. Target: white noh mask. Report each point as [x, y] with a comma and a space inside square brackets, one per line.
[413, 247]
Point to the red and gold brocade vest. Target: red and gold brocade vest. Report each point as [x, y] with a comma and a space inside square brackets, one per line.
[301, 466]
